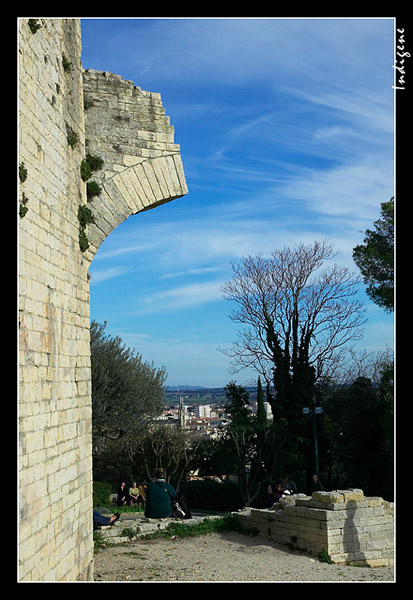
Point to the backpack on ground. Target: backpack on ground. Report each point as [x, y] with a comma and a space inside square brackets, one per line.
[180, 507]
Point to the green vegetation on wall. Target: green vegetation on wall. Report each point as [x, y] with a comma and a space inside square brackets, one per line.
[84, 215]
[88, 166]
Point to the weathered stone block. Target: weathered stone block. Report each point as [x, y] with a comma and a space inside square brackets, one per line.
[350, 527]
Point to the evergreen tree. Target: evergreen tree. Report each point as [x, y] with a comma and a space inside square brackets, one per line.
[249, 441]
[375, 258]
[125, 389]
[261, 414]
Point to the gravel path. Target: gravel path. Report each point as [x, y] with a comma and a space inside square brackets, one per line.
[222, 557]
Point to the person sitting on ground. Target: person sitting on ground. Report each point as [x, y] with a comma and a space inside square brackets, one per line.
[142, 495]
[279, 490]
[123, 496]
[275, 492]
[99, 519]
[158, 497]
[317, 486]
[133, 494]
[290, 485]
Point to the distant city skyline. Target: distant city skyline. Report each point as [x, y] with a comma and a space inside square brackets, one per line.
[286, 129]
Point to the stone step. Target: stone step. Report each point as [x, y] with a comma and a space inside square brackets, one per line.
[134, 525]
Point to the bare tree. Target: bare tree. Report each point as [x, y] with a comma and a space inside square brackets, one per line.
[298, 317]
[166, 447]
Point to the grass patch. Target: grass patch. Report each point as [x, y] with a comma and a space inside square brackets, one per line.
[99, 542]
[128, 532]
[221, 524]
[179, 530]
[135, 555]
[128, 509]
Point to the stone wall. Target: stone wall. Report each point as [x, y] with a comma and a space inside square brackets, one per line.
[348, 526]
[127, 127]
[141, 169]
[55, 533]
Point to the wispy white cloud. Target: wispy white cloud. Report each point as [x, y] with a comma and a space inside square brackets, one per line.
[195, 271]
[181, 298]
[349, 190]
[97, 276]
[104, 253]
[330, 132]
[133, 339]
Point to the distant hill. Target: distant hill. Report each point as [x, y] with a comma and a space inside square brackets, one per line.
[192, 388]
[184, 388]
[201, 395]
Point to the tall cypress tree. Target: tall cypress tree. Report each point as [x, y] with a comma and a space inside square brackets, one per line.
[261, 414]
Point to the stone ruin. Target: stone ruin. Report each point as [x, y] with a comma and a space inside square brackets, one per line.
[343, 524]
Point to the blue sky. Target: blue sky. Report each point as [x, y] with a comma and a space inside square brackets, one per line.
[286, 129]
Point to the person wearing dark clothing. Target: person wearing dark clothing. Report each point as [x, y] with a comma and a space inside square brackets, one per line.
[317, 485]
[158, 500]
[275, 493]
[123, 496]
[99, 520]
[279, 490]
[290, 485]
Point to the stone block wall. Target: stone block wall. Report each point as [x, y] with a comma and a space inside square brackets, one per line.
[350, 527]
[142, 169]
[55, 468]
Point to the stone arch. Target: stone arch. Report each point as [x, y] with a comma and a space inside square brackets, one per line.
[137, 188]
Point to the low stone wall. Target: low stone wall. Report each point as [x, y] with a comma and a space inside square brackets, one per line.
[131, 526]
[349, 527]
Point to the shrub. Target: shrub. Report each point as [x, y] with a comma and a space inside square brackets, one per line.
[22, 172]
[261, 500]
[72, 137]
[101, 494]
[34, 25]
[85, 170]
[95, 162]
[325, 557]
[85, 216]
[92, 189]
[89, 165]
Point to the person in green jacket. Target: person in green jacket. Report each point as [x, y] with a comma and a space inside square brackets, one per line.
[158, 501]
